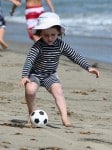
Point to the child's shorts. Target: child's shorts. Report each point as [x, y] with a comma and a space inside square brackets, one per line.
[47, 82]
[2, 21]
[32, 13]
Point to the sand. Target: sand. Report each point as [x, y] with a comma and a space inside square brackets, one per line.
[88, 101]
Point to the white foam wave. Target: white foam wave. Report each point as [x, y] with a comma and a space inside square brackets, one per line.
[18, 19]
[96, 25]
[88, 25]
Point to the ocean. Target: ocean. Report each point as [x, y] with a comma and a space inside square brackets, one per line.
[88, 24]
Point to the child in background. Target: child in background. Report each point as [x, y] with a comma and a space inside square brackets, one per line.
[3, 44]
[40, 68]
[2, 29]
[33, 9]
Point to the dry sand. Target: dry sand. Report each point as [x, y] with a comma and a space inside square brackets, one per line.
[89, 102]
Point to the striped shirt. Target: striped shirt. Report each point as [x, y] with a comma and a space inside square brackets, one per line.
[43, 59]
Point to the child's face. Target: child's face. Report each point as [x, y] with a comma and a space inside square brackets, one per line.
[49, 35]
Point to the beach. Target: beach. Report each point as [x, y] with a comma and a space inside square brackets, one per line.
[88, 101]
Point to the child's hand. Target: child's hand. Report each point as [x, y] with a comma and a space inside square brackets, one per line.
[23, 81]
[94, 71]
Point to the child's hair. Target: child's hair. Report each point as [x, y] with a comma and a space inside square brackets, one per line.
[59, 29]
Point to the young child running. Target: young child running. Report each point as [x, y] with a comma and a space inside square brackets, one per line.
[3, 44]
[40, 68]
[33, 9]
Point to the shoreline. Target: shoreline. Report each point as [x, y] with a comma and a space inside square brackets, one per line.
[94, 48]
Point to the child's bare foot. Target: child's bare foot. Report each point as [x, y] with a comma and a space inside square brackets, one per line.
[66, 122]
[29, 124]
[11, 13]
[3, 44]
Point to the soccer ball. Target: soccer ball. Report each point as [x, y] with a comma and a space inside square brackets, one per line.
[39, 118]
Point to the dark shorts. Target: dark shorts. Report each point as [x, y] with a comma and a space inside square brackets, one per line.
[47, 82]
[2, 21]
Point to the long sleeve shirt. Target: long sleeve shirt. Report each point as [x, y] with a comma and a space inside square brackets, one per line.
[43, 59]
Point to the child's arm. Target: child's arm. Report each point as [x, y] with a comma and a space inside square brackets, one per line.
[50, 4]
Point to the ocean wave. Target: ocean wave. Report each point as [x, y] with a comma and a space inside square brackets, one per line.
[89, 25]
[18, 19]
[95, 25]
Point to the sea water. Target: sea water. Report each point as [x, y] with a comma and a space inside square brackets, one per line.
[88, 24]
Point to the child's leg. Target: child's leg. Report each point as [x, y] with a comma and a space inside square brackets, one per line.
[57, 92]
[16, 2]
[2, 42]
[32, 36]
[30, 94]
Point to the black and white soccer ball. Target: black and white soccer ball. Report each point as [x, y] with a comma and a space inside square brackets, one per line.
[39, 118]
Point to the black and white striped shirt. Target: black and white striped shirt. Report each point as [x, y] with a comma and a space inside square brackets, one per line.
[43, 59]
